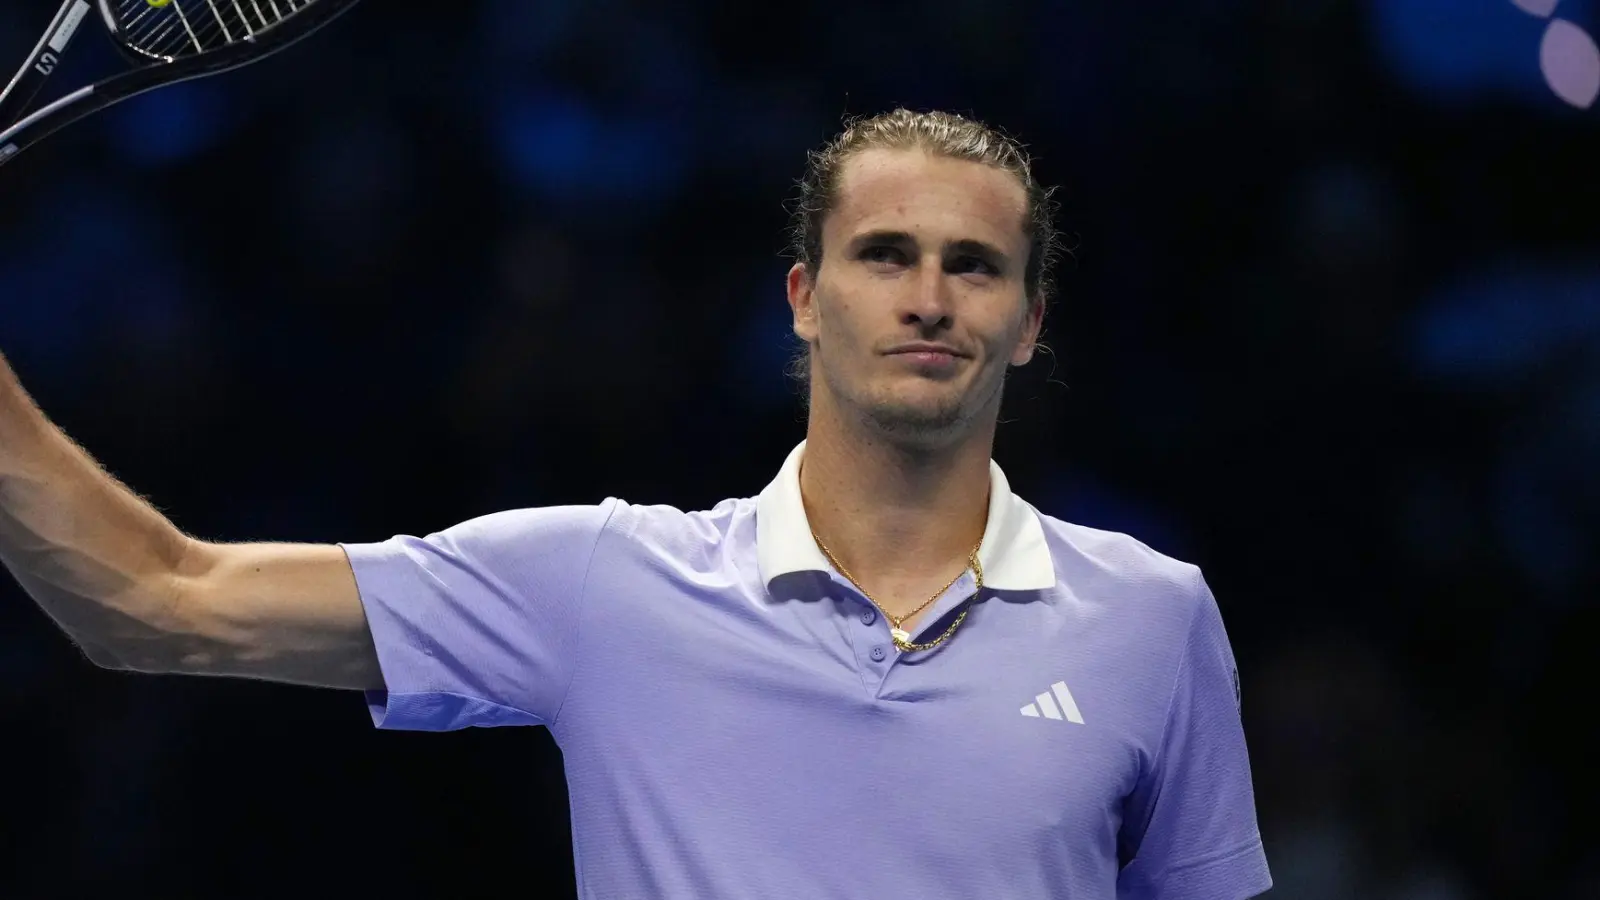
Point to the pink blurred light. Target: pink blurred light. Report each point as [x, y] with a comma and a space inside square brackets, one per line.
[1571, 63]
[1540, 8]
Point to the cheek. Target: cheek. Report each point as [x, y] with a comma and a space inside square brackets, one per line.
[840, 318]
[1000, 326]
[1003, 345]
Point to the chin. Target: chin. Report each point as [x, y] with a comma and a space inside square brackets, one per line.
[915, 411]
[927, 418]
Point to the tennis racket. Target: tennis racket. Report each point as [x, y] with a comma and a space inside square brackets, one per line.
[167, 41]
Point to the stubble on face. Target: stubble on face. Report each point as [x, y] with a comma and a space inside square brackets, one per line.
[872, 305]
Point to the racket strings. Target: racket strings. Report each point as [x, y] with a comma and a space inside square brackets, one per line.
[181, 28]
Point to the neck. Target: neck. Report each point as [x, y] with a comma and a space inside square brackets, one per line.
[891, 513]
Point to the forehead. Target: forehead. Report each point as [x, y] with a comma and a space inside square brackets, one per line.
[928, 195]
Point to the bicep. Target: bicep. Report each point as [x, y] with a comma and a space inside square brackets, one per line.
[478, 624]
[279, 612]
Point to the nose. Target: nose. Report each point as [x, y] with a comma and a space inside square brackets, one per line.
[927, 302]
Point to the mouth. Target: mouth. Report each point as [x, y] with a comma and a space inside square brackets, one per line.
[924, 355]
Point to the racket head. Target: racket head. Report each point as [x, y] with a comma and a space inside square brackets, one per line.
[167, 63]
[188, 31]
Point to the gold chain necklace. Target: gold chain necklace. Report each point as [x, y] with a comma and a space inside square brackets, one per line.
[902, 640]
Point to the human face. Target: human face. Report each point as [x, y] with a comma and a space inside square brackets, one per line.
[919, 304]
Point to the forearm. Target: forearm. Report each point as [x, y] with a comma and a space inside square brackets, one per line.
[99, 559]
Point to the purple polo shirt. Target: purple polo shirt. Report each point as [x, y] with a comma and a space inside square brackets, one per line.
[737, 723]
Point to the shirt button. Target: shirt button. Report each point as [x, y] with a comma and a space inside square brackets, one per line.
[877, 654]
[868, 617]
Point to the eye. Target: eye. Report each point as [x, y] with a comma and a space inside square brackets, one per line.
[973, 265]
[883, 253]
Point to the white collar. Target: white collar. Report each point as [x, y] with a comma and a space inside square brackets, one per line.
[1014, 554]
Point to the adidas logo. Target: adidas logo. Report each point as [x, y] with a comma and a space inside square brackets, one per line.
[1047, 705]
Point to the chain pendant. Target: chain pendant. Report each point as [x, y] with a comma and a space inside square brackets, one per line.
[902, 639]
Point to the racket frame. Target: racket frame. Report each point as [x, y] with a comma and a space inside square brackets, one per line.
[148, 74]
[36, 70]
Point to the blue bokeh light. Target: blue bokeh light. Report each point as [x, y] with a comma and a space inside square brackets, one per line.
[1450, 52]
[173, 124]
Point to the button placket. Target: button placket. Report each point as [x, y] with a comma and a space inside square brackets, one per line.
[869, 617]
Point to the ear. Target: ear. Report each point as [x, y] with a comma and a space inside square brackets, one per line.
[802, 301]
[1030, 333]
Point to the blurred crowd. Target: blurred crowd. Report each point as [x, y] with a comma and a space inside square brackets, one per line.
[1330, 329]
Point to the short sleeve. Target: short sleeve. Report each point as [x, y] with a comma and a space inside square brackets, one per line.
[478, 625]
[1189, 829]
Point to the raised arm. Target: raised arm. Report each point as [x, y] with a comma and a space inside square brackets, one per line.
[138, 594]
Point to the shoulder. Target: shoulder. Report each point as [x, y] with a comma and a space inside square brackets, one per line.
[663, 531]
[1130, 581]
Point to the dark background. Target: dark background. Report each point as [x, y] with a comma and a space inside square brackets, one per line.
[1332, 332]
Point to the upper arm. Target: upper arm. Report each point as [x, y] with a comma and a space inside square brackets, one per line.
[1189, 828]
[479, 624]
[280, 612]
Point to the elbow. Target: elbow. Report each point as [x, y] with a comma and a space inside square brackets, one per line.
[102, 656]
[132, 646]
[146, 655]
[185, 630]
[192, 631]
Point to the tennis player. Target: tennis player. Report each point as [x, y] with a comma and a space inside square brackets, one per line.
[884, 676]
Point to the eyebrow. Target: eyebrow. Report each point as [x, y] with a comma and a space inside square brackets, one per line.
[963, 247]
